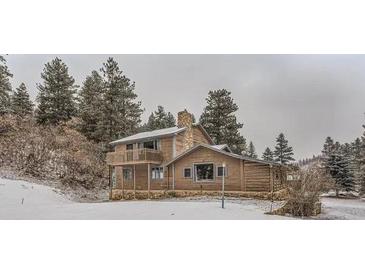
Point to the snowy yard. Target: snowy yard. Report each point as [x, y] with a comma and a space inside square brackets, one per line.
[24, 200]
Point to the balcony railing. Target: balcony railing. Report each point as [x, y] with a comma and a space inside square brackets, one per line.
[143, 155]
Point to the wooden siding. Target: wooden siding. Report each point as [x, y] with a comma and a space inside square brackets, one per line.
[141, 179]
[179, 143]
[166, 148]
[199, 137]
[204, 155]
[257, 176]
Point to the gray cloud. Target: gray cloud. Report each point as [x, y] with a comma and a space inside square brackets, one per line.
[308, 97]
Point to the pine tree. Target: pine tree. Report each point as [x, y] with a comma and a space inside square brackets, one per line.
[160, 119]
[5, 87]
[328, 147]
[361, 159]
[121, 114]
[268, 155]
[356, 148]
[283, 152]
[220, 121]
[90, 106]
[21, 105]
[338, 168]
[57, 94]
[251, 152]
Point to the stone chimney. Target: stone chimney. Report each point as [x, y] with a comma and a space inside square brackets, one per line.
[185, 119]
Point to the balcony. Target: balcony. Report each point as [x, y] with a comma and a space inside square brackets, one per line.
[135, 156]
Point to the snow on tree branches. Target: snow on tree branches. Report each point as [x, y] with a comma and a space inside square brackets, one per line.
[219, 120]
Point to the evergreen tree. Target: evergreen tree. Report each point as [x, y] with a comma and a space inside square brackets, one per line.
[220, 121]
[90, 106]
[283, 152]
[356, 148]
[328, 147]
[160, 119]
[5, 87]
[121, 115]
[338, 167]
[251, 152]
[57, 94]
[361, 162]
[327, 150]
[21, 105]
[268, 155]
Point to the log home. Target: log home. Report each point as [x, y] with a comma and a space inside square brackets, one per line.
[185, 158]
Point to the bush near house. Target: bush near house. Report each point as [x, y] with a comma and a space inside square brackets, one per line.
[304, 194]
[52, 152]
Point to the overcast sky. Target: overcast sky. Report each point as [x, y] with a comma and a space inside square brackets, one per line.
[307, 97]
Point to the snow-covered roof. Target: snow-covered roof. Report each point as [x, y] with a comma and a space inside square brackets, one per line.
[158, 133]
[149, 134]
[237, 156]
[222, 147]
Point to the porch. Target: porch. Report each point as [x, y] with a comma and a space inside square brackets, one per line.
[136, 177]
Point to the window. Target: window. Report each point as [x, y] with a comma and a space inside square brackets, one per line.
[220, 171]
[129, 146]
[157, 173]
[187, 172]
[127, 174]
[204, 172]
[154, 144]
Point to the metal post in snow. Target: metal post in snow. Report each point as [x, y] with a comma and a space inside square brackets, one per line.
[223, 175]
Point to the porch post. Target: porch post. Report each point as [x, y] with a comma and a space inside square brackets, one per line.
[173, 176]
[110, 183]
[134, 181]
[241, 175]
[122, 183]
[149, 179]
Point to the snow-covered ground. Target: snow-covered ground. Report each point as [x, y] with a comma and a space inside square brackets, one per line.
[24, 200]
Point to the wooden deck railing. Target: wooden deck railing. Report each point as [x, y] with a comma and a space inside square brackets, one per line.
[135, 155]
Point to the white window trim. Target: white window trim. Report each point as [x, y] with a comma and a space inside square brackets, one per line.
[191, 173]
[225, 171]
[163, 173]
[203, 181]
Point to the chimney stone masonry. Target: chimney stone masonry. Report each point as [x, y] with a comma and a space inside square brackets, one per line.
[185, 119]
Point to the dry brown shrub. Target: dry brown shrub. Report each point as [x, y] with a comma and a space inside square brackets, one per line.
[51, 153]
[304, 194]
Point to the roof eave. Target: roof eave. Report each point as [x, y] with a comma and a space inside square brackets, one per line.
[117, 142]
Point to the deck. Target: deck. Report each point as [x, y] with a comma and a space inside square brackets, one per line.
[135, 156]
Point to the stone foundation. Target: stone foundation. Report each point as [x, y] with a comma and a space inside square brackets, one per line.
[118, 194]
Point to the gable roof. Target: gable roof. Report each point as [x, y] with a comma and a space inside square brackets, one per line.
[165, 132]
[222, 147]
[237, 156]
[149, 134]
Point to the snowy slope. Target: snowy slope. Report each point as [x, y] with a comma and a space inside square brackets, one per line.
[24, 200]
[42, 202]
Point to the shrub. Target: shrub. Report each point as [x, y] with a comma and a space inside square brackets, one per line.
[304, 194]
[51, 153]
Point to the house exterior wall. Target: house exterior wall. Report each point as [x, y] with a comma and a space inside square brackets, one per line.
[141, 179]
[257, 176]
[204, 155]
[199, 137]
[242, 175]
